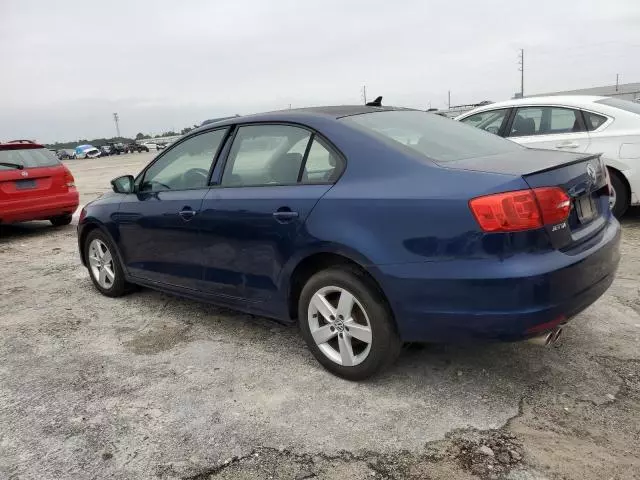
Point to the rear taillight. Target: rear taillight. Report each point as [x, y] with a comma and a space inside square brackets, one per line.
[69, 181]
[521, 209]
[555, 204]
[608, 177]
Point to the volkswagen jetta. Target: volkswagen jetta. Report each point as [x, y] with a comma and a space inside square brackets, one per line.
[368, 226]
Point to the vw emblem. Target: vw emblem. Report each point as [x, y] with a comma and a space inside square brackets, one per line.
[24, 174]
[591, 171]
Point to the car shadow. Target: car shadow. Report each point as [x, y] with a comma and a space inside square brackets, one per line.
[632, 217]
[17, 231]
[464, 368]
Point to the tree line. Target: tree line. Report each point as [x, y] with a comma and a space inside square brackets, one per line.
[97, 142]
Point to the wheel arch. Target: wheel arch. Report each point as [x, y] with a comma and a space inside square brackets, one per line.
[89, 226]
[622, 176]
[305, 267]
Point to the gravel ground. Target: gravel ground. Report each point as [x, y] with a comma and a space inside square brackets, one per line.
[152, 386]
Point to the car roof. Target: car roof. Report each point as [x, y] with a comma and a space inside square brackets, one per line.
[300, 114]
[19, 145]
[568, 100]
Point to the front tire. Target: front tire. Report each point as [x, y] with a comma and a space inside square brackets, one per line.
[61, 220]
[620, 199]
[346, 324]
[103, 263]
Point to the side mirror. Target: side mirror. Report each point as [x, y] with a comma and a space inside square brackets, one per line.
[124, 184]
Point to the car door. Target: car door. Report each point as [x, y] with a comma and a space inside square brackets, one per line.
[254, 218]
[159, 224]
[549, 127]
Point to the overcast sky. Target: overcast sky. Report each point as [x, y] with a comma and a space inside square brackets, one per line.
[66, 66]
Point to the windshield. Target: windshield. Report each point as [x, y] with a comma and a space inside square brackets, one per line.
[438, 138]
[28, 158]
[621, 104]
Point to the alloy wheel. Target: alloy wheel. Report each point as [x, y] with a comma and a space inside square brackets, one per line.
[101, 264]
[340, 326]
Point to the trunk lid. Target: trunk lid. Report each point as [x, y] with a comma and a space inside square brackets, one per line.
[41, 173]
[32, 183]
[582, 176]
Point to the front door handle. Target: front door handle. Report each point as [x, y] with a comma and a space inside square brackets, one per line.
[284, 215]
[567, 145]
[187, 214]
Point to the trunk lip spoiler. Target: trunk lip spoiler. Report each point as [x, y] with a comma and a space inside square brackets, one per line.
[585, 158]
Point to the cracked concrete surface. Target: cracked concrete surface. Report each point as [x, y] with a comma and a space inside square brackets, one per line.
[151, 386]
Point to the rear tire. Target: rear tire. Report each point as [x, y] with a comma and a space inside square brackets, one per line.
[360, 330]
[621, 194]
[61, 220]
[103, 263]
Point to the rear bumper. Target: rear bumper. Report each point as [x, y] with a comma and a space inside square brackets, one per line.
[41, 208]
[500, 299]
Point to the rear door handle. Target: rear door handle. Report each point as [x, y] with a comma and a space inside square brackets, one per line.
[187, 214]
[284, 215]
[567, 145]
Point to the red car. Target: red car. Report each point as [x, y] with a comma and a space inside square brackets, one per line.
[34, 185]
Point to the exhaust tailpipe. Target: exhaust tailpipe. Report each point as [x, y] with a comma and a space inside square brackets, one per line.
[548, 338]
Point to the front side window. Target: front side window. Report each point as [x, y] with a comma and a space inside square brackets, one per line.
[487, 121]
[433, 136]
[186, 166]
[265, 155]
[545, 121]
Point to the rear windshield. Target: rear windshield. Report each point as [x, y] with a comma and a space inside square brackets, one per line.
[621, 104]
[441, 139]
[28, 158]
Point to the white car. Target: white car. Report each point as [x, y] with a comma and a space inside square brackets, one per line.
[151, 145]
[574, 123]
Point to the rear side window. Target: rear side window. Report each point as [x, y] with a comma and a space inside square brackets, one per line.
[265, 155]
[322, 166]
[593, 120]
[545, 121]
[435, 137]
[28, 158]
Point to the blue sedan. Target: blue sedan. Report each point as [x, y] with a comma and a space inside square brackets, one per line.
[366, 226]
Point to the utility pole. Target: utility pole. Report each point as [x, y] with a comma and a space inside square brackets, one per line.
[449, 100]
[521, 63]
[115, 119]
[364, 94]
[617, 81]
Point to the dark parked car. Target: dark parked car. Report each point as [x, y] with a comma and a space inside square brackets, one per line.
[136, 147]
[368, 226]
[63, 155]
[105, 151]
[116, 148]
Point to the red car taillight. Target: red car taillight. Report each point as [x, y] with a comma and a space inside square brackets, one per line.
[521, 209]
[69, 181]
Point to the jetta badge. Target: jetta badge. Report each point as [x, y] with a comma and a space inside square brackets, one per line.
[24, 174]
[591, 171]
